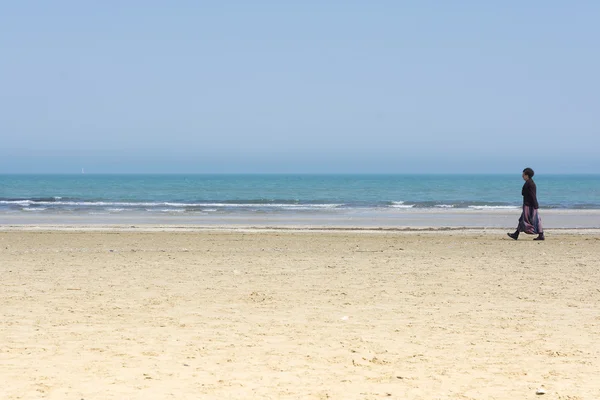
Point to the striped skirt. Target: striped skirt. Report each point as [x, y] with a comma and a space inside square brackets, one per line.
[530, 221]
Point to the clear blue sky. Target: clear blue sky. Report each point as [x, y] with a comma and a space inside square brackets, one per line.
[303, 86]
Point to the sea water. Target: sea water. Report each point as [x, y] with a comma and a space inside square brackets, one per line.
[94, 194]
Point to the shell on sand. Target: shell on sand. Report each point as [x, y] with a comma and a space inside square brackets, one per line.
[540, 390]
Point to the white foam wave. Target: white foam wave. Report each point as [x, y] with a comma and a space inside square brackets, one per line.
[17, 202]
[493, 207]
[115, 209]
[34, 209]
[304, 207]
[401, 204]
[96, 203]
[264, 205]
[163, 210]
[162, 204]
[444, 206]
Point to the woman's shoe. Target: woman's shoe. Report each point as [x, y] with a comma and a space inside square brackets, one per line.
[540, 237]
[514, 236]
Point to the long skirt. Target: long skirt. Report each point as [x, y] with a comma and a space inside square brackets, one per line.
[530, 221]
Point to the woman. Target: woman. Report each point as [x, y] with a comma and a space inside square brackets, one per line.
[530, 221]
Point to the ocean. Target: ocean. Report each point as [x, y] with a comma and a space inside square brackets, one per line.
[284, 194]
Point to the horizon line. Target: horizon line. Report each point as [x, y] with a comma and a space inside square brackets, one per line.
[291, 173]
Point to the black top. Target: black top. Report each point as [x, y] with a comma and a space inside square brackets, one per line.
[529, 194]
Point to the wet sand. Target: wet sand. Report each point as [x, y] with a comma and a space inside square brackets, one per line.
[390, 219]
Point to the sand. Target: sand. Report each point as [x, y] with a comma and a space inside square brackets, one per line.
[301, 315]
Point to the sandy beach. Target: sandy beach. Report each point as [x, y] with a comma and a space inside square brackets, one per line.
[250, 314]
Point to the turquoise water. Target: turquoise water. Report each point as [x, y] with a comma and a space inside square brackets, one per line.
[242, 194]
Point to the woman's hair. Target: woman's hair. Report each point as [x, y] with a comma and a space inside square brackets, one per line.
[529, 172]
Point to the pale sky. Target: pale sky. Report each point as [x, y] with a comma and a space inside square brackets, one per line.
[304, 86]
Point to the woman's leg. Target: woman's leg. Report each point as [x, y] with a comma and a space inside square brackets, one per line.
[539, 226]
[515, 235]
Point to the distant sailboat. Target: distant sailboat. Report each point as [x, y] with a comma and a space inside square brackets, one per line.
[82, 171]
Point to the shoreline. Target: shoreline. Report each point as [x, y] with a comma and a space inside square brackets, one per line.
[382, 220]
[148, 228]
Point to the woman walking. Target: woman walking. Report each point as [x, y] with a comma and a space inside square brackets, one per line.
[530, 221]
